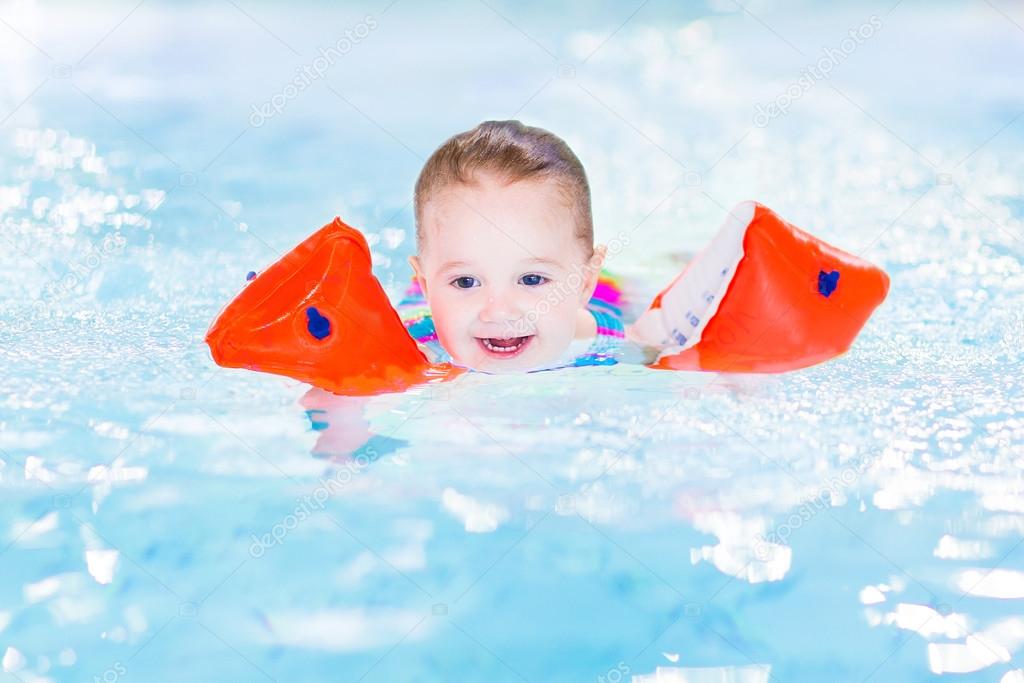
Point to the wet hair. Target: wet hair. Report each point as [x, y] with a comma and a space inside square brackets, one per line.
[513, 152]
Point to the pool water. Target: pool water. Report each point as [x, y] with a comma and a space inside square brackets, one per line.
[165, 519]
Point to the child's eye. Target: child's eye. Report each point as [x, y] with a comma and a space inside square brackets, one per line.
[464, 282]
[532, 280]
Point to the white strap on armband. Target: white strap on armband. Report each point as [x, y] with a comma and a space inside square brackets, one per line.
[691, 301]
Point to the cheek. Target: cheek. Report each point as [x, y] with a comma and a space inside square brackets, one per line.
[556, 316]
[451, 316]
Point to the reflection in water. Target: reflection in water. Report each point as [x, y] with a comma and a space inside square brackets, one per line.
[343, 432]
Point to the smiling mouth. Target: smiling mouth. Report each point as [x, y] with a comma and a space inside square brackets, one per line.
[504, 348]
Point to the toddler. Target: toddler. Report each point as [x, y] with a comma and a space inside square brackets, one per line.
[507, 278]
[506, 266]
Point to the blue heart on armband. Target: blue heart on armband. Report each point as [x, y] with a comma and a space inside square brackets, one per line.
[317, 324]
[827, 282]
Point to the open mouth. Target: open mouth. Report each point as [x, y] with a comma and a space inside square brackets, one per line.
[504, 348]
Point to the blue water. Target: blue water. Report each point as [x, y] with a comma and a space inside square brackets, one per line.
[164, 519]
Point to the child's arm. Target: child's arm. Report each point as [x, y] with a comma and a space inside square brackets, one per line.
[648, 353]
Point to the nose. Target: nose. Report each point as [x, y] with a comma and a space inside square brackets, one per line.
[500, 308]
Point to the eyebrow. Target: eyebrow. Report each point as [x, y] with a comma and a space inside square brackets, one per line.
[452, 264]
[546, 261]
[462, 264]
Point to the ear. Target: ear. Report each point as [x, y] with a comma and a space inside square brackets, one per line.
[417, 269]
[592, 272]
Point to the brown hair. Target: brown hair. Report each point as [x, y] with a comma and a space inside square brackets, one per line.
[514, 152]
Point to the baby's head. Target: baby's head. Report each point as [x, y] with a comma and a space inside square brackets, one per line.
[505, 246]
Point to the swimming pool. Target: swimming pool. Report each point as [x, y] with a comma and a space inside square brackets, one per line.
[165, 519]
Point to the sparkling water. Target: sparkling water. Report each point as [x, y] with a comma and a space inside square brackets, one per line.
[165, 519]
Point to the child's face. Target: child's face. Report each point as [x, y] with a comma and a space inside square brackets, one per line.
[503, 272]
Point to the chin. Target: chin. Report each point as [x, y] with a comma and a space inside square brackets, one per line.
[499, 367]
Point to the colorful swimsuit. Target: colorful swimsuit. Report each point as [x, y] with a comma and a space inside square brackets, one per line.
[605, 305]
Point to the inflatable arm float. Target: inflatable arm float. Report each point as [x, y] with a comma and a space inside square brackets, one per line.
[764, 296]
[319, 315]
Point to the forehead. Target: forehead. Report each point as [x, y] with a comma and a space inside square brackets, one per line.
[511, 221]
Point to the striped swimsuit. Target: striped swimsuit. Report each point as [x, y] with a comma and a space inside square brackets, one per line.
[605, 305]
